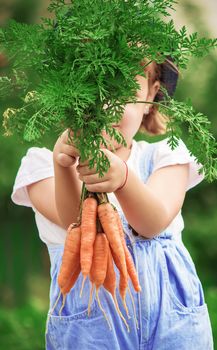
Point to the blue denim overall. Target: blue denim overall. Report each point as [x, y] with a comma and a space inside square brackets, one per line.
[170, 309]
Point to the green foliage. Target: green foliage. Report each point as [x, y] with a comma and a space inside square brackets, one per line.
[22, 328]
[86, 59]
[200, 141]
[14, 83]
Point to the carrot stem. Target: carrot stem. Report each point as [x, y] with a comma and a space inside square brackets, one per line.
[83, 194]
[102, 197]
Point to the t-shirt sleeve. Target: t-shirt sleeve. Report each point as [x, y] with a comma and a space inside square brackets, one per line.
[36, 165]
[164, 156]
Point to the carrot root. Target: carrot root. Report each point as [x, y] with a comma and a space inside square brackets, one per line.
[131, 269]
[120, 313]
[125, 307]
[82, 286]
[101, 308]
[90, 298]
[63, 304]
[53, 308]
[134, 309]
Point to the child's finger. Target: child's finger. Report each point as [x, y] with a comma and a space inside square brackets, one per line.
[65, 160]
[67, 137]
[99, 187]
[85, 170]
[92, 179]
[69, 150]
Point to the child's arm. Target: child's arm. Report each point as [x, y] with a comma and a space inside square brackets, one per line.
[58, 198]
[150, 207]
[67, 193]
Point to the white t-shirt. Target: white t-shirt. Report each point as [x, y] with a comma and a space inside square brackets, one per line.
[38, 165]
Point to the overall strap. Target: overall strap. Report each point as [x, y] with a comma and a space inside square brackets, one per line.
[146, 162]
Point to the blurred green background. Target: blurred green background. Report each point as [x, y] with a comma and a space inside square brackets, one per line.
[24, 268]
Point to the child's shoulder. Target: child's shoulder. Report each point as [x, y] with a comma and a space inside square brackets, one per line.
[36, 160]
[162, 148]
[179, 154]
[37, 157]
[36, 165]
[38, 153]
[163, 155]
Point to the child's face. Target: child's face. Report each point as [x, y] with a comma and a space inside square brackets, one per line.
[131, 121]
[133, 113]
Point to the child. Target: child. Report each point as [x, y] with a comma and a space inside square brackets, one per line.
[147, 184]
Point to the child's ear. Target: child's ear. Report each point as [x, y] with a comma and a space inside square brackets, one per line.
[153, 90]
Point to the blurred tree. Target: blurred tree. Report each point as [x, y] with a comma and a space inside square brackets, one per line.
[200, 207]
[24, 11]
[199, 83]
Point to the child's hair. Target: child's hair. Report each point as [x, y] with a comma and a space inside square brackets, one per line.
[155, 123]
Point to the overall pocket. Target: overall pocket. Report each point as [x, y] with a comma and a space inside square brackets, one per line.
[182, 282]
[187, 312]
[77, 331]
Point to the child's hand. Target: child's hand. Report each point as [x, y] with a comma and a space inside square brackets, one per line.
[110, 182]
[64, 153]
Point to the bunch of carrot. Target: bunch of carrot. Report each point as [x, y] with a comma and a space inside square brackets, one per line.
[91, 247]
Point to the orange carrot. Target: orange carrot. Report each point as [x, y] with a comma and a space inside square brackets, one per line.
[110, 285]
[70, 257]
[109, 223]
[130, 266]
[123, 282]
[88, 234]
[100, 257]
[66, 289]
[99, 267]
[129, 261]
[70, 265]
[110, 280]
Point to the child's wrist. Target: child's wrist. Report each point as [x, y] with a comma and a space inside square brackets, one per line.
[125, 177]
